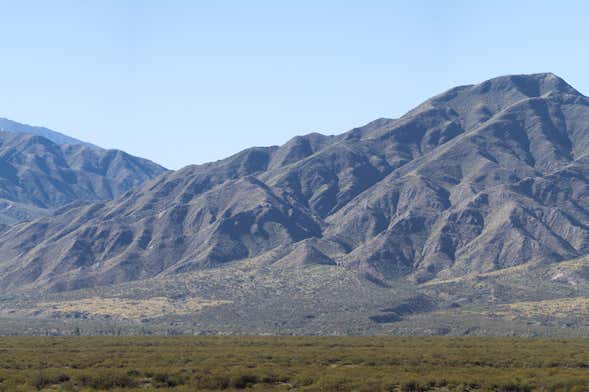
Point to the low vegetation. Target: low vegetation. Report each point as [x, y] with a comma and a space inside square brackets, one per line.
[293, 363]
[125, 308]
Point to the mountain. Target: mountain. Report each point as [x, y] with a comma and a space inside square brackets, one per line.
[56, 137]
[477, 181]
[45, 171]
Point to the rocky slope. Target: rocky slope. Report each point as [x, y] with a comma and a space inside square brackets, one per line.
[39, 174]
[480, 178]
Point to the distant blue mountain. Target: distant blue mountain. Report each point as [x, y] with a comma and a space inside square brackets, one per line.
[56, 137]
[42, 170]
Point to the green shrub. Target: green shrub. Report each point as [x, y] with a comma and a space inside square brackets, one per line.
[43, 379]
[413, 386]
[169, 380]
[213, 381]
[243, 380]
[107, 380]
[333, 384]
[513, 387]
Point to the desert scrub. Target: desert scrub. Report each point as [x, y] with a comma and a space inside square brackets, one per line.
[297, 363]
[106, 380]
[45, 378]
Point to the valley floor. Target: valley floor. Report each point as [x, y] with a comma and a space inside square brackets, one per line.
[293, 363]
[534, 300]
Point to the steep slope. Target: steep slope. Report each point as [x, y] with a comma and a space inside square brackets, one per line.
[38, 175]
[479, 178]
[509, 191]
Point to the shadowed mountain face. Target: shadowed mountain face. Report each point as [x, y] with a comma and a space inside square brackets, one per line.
[38, 175]
[477, 179]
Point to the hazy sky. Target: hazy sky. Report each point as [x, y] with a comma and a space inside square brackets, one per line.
[183, 82]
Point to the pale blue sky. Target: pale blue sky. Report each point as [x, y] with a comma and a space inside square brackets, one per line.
[184, 82]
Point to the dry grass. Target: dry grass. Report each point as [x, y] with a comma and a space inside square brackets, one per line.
[123, 307]
[562, 307]
[475, 276]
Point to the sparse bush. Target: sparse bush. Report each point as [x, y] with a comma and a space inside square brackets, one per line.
[306, 363]
[413, 386]
[213, 381]
[106, 380]
[513, 387]
[240, 380]
[43, 379]
[169, 380]
[334, 384]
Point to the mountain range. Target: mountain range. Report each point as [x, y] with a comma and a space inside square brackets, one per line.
[42, 170]
[459, 210]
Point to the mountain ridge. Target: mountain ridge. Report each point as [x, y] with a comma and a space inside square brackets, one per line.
[420, 196]
[38, 175]
[7, 125]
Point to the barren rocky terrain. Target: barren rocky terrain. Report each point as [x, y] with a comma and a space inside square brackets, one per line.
[467, 215]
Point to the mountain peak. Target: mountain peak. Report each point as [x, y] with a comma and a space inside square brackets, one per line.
[508, 89]
[530, 85]
[7, 125]
[475, 103]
